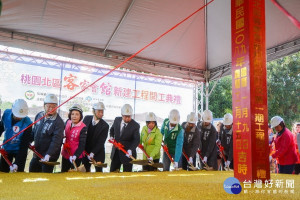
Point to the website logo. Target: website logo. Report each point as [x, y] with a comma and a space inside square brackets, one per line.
[232, 186]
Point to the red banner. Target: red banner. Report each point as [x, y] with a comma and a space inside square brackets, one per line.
[249, 91]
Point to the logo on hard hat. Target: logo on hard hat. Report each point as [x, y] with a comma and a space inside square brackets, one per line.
[21, 111]
[127, 110]
[174, 119]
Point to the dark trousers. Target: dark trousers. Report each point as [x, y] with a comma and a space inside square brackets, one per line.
[37, 166]
[4, 167]
[149, 167]
[183, 163]
[87, 165]
[116, 164]
[66, 164]
[286, 169]
[297, 169]
[167, 161]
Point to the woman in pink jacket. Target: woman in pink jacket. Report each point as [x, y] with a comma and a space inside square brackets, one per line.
[285, 146]
[75, 133]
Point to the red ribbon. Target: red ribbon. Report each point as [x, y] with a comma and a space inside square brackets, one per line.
[291, 17]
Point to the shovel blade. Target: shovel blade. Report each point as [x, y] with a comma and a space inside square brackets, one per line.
[50, 163]
[139, 162]
[99, 164]
[193, 168]
[157, 165]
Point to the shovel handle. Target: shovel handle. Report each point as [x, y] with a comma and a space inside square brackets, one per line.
[4, 155]
[187, 159]
[165, 148]
[143, 150]
[32, 148]
[199, 152]
[120, 147]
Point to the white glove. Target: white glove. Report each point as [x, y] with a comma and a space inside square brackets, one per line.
[205, 159]
[150, 159]
[13, 168]
[129, 153]
[175, 165]
[46, 158]
[227, 163]
[72, 158]
[190, 160]
[91, 156]
[111, 138]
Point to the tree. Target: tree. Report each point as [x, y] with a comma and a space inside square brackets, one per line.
[220, 100]
[283, 87]
[283, 77]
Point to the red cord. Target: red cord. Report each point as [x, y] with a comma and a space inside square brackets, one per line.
[291, 17]
[118, 66]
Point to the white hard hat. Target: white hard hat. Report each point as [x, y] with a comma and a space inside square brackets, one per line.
[150, 117]
[99, 106]
[174, 116]
[192, 118]
[126, 110]
[76, 107]
[275, 121]
[50, 98]
[228, 119]
[20, 108]
[207, 116]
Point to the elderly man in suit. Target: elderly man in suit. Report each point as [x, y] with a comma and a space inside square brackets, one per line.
[96, 137]
[125, 131]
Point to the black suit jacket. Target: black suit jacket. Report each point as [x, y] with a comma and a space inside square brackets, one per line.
[130, 138]
[95, 141]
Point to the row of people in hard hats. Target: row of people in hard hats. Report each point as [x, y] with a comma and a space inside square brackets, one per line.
[85, 138]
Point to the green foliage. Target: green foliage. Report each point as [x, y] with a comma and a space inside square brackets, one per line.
[283, 77]
[4, 105]
[220, 100]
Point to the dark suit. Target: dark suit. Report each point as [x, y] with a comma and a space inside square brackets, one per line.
[96, 137]
[130, 139]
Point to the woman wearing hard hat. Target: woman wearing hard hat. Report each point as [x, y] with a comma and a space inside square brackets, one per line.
[191, 141]
[208, 135]
[173, 139]
[75, 133]
[285, 146]
[151, 138]
[13, 121]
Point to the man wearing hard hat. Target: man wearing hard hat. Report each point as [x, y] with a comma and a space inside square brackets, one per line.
[191, 140]
[48, 136]
[125, 131]
[96, 137]
[285, 146]
[13, 121]
[208, 135]
[173, 138]
[226, 139]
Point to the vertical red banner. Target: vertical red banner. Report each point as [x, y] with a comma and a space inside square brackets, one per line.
[249, 91]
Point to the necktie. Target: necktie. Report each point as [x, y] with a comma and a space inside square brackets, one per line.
[122, 130]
